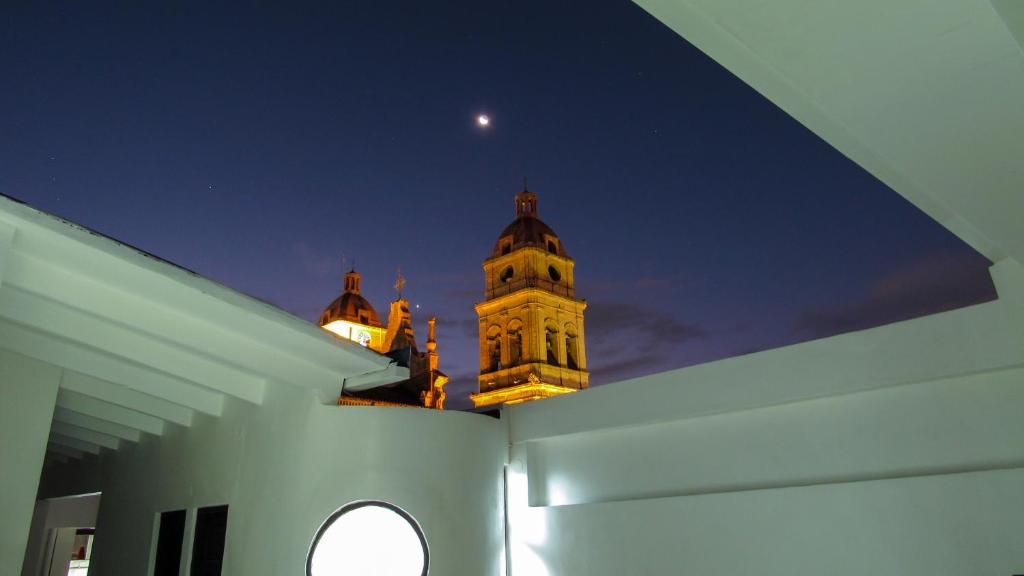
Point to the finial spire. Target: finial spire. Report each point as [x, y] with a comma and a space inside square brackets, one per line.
[525, 187]
[399, 283]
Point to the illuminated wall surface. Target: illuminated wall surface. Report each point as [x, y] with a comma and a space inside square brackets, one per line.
[896, 450]
[283, 468]
[369, 336]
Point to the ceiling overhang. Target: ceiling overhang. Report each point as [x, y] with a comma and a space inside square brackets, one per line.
[142, 344]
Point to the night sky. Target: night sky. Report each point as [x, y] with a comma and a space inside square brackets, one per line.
[259, 144]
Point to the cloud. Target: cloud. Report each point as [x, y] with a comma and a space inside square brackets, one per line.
[460, 386]
[467, 327]
[606, 318]
[626, 340]
[626, 367]
[935, 284]
[640, 284]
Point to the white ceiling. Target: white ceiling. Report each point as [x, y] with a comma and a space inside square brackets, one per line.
[141, 344]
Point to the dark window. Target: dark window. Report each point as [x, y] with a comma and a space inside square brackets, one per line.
[507, 273]
[552, 247]
[168, 543]
[364, 320]
[208, 546]
[551, 337]
[515, 347]
[554, 274]
[571, 350]
[496, 353]
[506, 247]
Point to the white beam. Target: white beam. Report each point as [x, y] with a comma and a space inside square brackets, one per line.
[91, 436]
[390, 375]
[65, 450]
[75, 443]
[126, 397]
[85, 360]
[136, 342]
[112, 413]
[96, 424]
[249, 350]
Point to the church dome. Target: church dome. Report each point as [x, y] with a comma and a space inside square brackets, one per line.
[528, 230]
[351, 305]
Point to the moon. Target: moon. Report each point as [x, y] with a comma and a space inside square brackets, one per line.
[483, 120]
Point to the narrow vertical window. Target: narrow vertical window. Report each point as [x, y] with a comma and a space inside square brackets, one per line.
[515, 346]
[169, 539]
[571, 351]
[551, 337]
[496, 353]
[208, 546]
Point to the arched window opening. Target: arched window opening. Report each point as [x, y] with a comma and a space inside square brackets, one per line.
[495, 345]
[515, 346]
[572, 351]
[369, 537]
[507, 274]
[554, 274]
[552, 247]
[551, 339]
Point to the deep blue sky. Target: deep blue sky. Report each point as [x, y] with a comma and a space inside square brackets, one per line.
[257, 144]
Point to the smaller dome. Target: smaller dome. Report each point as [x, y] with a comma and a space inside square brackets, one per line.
[351, 306]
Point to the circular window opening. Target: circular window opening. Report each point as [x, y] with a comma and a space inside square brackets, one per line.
[553, 273]
[507, 273]
[368, 537]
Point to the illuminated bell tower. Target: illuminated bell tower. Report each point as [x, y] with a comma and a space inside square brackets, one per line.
[531, 323]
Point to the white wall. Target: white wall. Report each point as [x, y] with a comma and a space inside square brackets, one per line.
[55, 513]
[28, 391]
[285, 466]
[897, 450]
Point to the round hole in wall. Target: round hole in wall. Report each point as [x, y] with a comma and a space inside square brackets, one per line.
[368, 537]
[554, 274]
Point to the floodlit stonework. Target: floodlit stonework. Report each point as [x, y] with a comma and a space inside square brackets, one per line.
[351, 316]
[531, 322]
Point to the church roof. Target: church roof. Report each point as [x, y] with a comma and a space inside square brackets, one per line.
[408, 392]
[528, 229]
[352, 307]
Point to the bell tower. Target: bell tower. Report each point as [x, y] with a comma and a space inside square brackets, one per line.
[531, 323]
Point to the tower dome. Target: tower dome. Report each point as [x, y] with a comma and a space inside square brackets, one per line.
[351, 306]
[527, 230]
